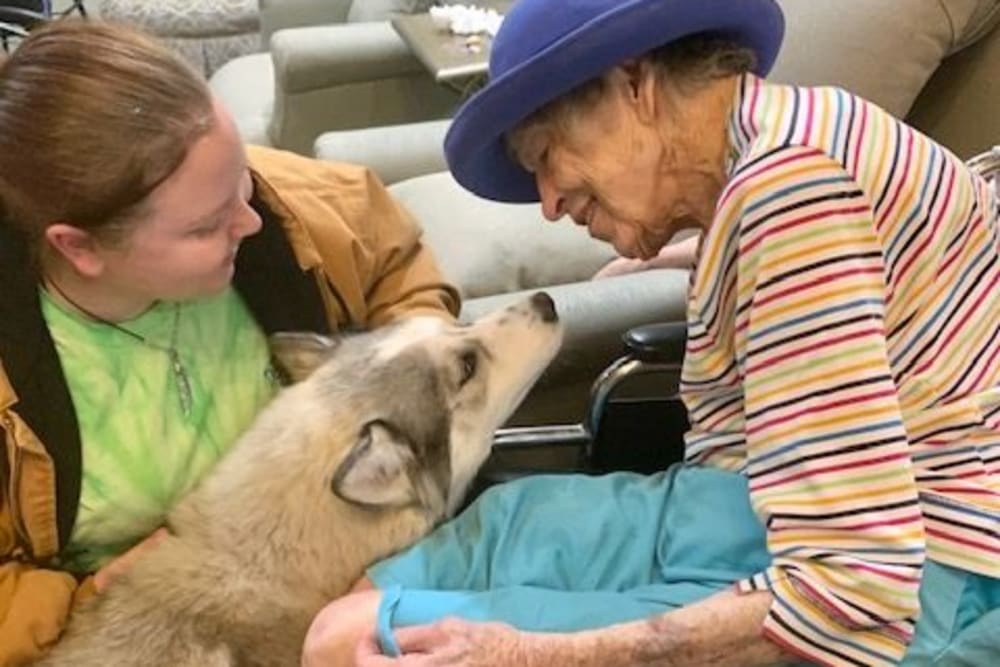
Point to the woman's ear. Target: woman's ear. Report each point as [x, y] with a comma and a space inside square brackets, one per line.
[76, 246]
[639, 77]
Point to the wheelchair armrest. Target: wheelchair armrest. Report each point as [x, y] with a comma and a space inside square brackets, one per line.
[642, 435]
[661, 343]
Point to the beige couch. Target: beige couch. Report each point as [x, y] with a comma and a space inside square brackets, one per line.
[331, 64]
[207, 33]
[932, 61]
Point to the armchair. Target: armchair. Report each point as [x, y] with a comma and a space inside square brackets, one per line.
[207, 33]
[325, 72]
[278, 15]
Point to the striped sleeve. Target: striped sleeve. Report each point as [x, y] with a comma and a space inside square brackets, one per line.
[827, 452]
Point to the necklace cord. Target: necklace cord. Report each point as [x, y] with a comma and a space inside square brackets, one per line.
[181, 377]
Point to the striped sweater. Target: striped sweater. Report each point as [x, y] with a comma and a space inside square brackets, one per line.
[844, 353]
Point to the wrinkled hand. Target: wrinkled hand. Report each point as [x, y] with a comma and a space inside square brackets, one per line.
[119, 565]
[461, 643]
[674, 255]
[619, 267]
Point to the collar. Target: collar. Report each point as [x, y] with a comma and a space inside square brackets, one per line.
[743, 126]
[34, 371]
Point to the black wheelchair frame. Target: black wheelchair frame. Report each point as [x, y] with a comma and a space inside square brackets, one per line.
[639, 434]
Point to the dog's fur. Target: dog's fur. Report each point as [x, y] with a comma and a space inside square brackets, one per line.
[374, 444]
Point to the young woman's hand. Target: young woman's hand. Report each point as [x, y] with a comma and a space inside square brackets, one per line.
[119, 565]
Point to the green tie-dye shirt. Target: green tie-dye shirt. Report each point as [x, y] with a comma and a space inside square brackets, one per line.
[140, 452]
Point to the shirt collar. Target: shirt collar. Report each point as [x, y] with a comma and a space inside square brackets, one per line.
[743, 126]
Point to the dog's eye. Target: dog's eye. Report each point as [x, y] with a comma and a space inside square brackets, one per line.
[469, 360]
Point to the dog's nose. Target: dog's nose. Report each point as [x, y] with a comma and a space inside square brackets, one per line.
[544, 306]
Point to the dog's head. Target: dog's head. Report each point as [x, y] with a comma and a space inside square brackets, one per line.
[406, 414]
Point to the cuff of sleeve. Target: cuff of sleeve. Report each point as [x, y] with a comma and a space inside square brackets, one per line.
[379, 575]
[383, 623]
[762, 581]
[802, 626]
[84, 592]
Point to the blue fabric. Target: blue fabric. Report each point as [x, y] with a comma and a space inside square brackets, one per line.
[959, 623]
[562, 553]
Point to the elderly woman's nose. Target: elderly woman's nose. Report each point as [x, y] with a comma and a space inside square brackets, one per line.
[552, 198]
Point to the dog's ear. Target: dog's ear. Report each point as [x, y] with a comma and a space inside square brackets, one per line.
[298, 354]
[376, 472]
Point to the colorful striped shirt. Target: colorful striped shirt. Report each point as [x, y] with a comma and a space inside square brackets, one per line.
[844, 353]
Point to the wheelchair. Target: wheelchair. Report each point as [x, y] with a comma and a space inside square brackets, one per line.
[621, 431]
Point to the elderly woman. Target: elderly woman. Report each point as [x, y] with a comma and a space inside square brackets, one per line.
[840, 498]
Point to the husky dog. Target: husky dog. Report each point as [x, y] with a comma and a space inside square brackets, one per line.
[373, 445]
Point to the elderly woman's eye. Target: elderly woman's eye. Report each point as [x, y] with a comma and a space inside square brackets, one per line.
[537, 160]
[543, 157]
[467, 366]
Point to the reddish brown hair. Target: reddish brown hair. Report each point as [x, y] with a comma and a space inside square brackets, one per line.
[93, 116]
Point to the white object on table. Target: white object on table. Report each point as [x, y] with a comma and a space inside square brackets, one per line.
[466, 19]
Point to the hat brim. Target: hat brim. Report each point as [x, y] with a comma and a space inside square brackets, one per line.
[475, 146]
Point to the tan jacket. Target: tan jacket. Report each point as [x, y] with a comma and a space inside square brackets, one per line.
[348, 254]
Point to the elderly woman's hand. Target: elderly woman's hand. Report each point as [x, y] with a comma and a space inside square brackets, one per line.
[619, 267]
[674, 255]
[461, 643]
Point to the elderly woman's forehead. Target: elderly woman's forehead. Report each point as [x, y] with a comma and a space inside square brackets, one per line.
[540, 126]
[528, 140]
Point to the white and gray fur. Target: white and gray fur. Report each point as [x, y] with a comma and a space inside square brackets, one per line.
[373, 446]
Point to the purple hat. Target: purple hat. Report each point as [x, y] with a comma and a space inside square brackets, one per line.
[545, 48]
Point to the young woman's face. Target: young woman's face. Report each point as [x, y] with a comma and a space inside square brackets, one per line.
[185, 244]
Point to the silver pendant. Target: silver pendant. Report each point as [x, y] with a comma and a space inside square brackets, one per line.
[183, 382]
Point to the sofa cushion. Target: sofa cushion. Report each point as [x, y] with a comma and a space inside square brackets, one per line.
[885, 51]
[382, 10]
[208, 54]
[487, 248]
[250, 105]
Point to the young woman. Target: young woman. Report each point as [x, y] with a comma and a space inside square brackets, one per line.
[145, 254]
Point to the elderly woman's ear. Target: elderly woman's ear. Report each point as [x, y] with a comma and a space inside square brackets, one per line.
[637, 80]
